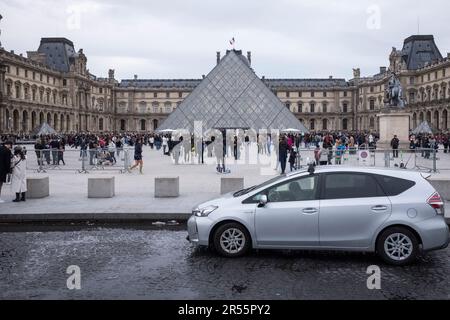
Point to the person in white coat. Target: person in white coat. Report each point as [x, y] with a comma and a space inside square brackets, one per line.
[19, 176]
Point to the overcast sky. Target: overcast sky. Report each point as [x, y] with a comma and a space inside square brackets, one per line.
[179, 38]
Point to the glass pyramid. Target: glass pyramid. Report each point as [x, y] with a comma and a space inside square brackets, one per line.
[231, 96]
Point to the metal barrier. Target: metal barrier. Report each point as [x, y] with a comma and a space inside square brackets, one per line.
[79, 160]
[86, 161]
[422, 159]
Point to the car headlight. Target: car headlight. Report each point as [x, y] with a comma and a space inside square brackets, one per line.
[204, 212]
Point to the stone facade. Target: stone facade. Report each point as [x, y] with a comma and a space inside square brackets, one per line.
[41, 88]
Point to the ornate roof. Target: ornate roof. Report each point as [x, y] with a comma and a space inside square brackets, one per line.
[419, 51]
[59, 52]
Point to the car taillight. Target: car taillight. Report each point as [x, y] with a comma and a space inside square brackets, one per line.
[436, 202]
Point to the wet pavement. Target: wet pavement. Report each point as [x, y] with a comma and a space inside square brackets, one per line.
[155, 263]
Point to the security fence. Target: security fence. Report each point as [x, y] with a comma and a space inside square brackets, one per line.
[423, 159]
[80, 161]
[119, 160]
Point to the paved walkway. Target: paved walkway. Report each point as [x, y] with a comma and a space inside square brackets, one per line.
[134, 192]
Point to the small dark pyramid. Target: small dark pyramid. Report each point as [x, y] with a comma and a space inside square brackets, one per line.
[232, 96]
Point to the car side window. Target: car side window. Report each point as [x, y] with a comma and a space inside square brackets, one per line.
[300, 189]
[346, 185]
[394, 186]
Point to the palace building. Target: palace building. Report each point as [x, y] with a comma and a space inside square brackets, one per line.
[53, 85]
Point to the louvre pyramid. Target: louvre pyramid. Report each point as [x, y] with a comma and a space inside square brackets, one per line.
[232, 96]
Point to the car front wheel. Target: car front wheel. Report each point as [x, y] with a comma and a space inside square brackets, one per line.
[232, 240]
[398, 246]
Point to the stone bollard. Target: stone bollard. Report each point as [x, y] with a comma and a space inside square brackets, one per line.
[38, 187]
[167, 187]
[228, 184]
[101, 187]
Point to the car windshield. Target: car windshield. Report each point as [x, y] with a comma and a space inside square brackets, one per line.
[245, 191]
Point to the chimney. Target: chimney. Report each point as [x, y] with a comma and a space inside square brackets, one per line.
[263, 78]
[382, 69]
[12, 51]
[218, 56]
[249, 57]
[135, 77]
[203, 76]
[111, 74]
[330, 77]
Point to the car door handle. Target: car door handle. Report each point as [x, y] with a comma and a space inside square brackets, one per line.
[309, 211]
[379, 208]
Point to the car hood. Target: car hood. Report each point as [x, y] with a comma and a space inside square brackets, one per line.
[223, 199]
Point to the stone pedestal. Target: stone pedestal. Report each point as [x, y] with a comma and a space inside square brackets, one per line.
[38, 187]
[393, 122]
[229, 184]
[101, 187]
[167, 187]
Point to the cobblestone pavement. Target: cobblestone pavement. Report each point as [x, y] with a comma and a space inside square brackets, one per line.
[152, 263]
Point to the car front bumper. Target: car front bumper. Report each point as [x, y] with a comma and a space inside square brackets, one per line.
[198, 230]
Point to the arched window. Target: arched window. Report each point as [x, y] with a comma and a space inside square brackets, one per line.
[16, 121]
[142, 106]
[33, 120]
[344, 124]
[312, 124]
[122, 125]
[436, 120]
[345, 107]
[324, 124]
[155, 124]
[167, 107]
[100, 124]
[300, 107]
[288, 105]
[371, 123]
[155, 107]
[24, 121]
[444, 120]
[143, 125]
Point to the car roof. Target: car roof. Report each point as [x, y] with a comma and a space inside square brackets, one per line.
[395, 172]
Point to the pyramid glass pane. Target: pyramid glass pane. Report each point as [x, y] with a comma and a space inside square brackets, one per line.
[232, 96]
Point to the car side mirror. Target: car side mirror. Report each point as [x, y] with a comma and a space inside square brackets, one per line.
[262, 201]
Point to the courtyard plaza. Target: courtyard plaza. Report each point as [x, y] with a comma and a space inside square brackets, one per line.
[134, 192]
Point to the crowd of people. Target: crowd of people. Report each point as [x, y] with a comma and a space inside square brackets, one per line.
[105, 148]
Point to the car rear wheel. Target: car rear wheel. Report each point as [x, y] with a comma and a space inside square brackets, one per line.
[232, 240]
[398, 246]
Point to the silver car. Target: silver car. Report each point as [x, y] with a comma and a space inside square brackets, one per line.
[395, 213]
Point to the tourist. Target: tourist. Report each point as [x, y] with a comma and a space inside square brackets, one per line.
[339, 152]
[54, 146]
[165, 144]
[394, 145]
[151, 141]
[317, 154]
[292, 159]
[119, 147]
[19, 177]
[138, 156]
[62, 148]
[38, 147]
[5, 163]
[323, 156]
[112, 150]
[283, 153]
